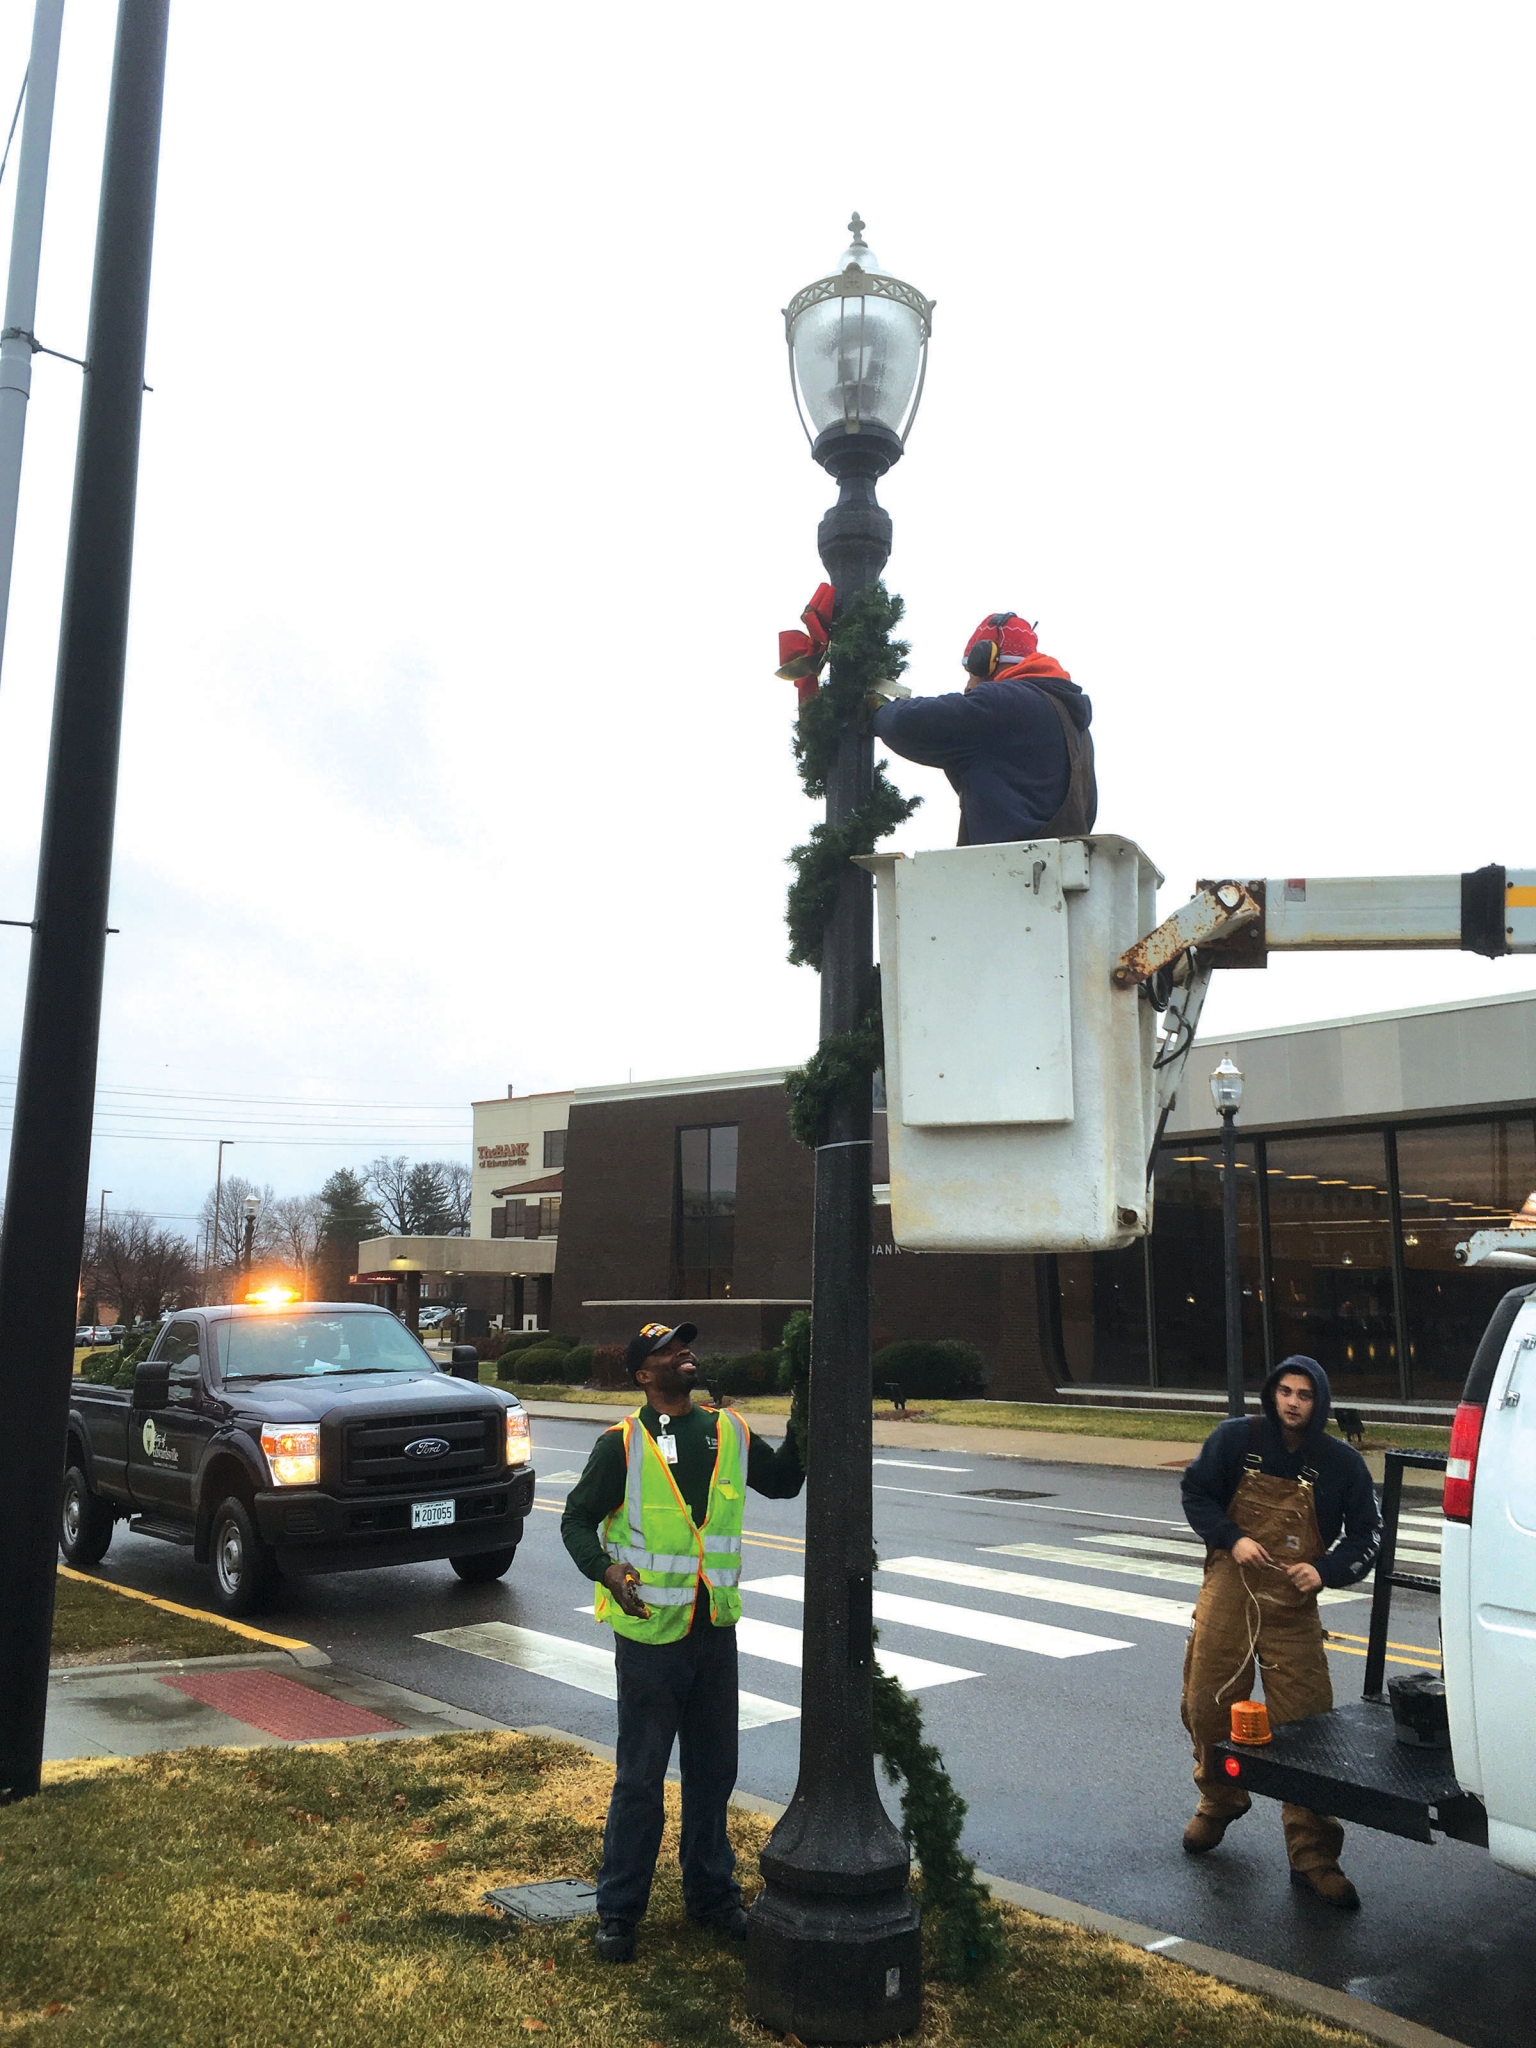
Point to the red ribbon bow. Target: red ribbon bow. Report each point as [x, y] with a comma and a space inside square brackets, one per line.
[803, 656]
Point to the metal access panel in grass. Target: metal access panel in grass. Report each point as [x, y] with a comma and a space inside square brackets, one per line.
[559, 1898]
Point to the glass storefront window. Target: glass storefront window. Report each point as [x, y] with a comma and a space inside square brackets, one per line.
[1104, 1317]
[1454, 1179]
[1189, 1276]
[1331, 1258]
[706, 1229]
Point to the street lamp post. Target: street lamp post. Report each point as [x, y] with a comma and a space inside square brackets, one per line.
[252, 1211]
[834, 1947]
[1227, 1094]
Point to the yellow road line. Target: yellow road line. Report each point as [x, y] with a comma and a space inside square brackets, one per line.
[238, 1628]
[1338, 1636]
[1422, 1663]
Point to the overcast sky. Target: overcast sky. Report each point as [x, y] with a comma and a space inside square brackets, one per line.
[472, 501]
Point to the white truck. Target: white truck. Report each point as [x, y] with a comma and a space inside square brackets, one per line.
[1482, 1789]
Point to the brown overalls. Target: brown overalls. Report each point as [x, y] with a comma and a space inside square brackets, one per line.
[1243, 1609]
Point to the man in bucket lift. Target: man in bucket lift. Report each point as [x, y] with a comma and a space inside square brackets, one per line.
[1014, 742]
[1270, 1494]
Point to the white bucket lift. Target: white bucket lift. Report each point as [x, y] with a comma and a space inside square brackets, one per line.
[1020, 1092]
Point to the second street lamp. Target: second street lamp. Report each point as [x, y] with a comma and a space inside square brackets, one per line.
[252, 1211]
[1227, 1094]
[834, 1949]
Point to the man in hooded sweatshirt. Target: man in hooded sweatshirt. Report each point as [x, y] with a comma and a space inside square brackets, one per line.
[1285, 1510]
[1014, 742]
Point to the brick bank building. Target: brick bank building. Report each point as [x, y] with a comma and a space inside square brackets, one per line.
[692, 1198]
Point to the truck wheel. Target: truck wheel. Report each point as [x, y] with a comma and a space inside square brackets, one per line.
[244, 1569]
[481, 1566]
[85, 1522]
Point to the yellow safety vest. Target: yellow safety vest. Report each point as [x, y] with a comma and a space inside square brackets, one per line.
[653, 1531]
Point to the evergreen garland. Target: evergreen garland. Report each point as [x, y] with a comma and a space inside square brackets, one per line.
[964, 1929]
[863, 654]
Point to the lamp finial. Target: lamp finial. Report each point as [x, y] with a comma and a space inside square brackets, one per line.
[856, 229]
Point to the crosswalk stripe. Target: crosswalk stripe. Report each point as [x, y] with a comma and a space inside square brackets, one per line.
[1166, 1546]
[1005, 1630]
[919, 1465]
[1060, 1592]
[786, 1646]
[1132, 1567]
[582, 1665]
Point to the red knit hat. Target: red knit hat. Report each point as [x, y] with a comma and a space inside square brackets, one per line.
[1014, 637]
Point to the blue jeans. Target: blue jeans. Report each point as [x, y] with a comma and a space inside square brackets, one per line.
[687, 1691]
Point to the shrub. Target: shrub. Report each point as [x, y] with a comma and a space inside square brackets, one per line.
[530, 1340]
[116, 1367]
[942, 1369]
[741, 1375]
[539, 1366]
[576, 1368]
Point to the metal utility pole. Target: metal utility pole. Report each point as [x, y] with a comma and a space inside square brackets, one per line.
[56, 1079]
[16, 340]
[213, 1228]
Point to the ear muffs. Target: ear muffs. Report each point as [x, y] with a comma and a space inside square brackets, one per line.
[983, 658]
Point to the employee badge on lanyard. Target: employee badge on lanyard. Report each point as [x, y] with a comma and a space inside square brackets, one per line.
[666, 1443]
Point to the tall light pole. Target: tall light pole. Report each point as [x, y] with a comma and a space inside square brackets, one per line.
[56, 1068]
[213, 1229]
[1227, 1094]
[17, 341]
[834, 1949]
[101, 1231]
[252, 1211]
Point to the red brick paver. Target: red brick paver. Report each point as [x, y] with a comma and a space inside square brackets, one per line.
[279, 1706]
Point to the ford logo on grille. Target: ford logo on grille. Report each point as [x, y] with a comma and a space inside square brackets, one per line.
[427, 1447]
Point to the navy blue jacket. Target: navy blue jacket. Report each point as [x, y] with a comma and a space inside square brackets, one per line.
[1002, 746]
[1342, 1493]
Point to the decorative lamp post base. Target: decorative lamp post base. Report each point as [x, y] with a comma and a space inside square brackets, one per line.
[835, 1969]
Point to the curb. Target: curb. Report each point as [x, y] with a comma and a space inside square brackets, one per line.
[1319, 2000]
[301, 1653]
[61, 1674]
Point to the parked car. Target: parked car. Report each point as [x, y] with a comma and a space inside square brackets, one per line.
[302, 1439]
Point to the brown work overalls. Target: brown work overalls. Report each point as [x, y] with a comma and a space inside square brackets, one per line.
[1248, 1609]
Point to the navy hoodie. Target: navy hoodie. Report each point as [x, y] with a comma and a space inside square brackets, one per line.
[1002, 746]
[1342, 1493]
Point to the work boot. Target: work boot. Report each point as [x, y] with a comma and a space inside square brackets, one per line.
[614, 1941]
[729, 1922]
[1331, 1886]
[1205, 1831]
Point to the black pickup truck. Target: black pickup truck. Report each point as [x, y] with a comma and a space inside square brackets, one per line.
[313, 1438]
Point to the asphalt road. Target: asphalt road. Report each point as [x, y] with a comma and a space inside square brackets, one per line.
[1054, 1701]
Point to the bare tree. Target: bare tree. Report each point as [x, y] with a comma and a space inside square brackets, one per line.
[227, 1255]
[143, 1268]
[459, 1181]
[298, 1228]
[389, 1181]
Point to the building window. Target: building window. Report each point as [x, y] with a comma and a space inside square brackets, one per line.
[549, 1215]
[1331, 1257]
[498, 1222]
[1454, 1179]
[1189, 1270]
[706, 1212]
[1103, 1334]
[554, 1151]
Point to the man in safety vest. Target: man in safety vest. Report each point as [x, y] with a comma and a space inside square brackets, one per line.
[1285, 1510]
[655, 1521]
[1014, 742]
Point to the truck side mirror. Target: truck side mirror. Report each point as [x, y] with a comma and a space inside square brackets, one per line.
[466, 1363]
[151, 1383]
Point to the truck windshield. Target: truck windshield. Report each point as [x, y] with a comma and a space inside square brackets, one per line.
[287, 1347]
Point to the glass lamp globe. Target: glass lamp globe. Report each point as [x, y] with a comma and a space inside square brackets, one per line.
[1227, 1085]
[252, 1206]
[858, 346]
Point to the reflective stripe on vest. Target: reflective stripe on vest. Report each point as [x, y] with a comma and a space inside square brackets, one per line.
[653, 1523]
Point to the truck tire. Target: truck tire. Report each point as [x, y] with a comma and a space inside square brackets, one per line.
[85, 1522]
[481, 1566]
[244, 1569]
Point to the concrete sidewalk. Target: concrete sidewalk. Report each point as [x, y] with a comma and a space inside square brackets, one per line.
[231, 1702]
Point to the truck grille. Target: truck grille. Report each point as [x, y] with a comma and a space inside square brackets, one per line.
[373, 1453]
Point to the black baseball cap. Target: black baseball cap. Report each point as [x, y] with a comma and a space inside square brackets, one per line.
[655, 1337]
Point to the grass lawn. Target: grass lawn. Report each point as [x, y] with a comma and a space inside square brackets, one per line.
[329, 1897]
[94, 1623]
[1155, 1426]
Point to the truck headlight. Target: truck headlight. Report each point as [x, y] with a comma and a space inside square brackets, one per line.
[519, 1442]
[293, 1455]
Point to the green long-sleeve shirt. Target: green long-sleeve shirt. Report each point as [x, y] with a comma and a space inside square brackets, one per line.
[600, 1489]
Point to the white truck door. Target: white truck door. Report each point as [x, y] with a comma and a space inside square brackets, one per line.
[1502, 1600]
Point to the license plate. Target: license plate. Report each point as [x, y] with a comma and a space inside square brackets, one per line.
[431, 1514]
